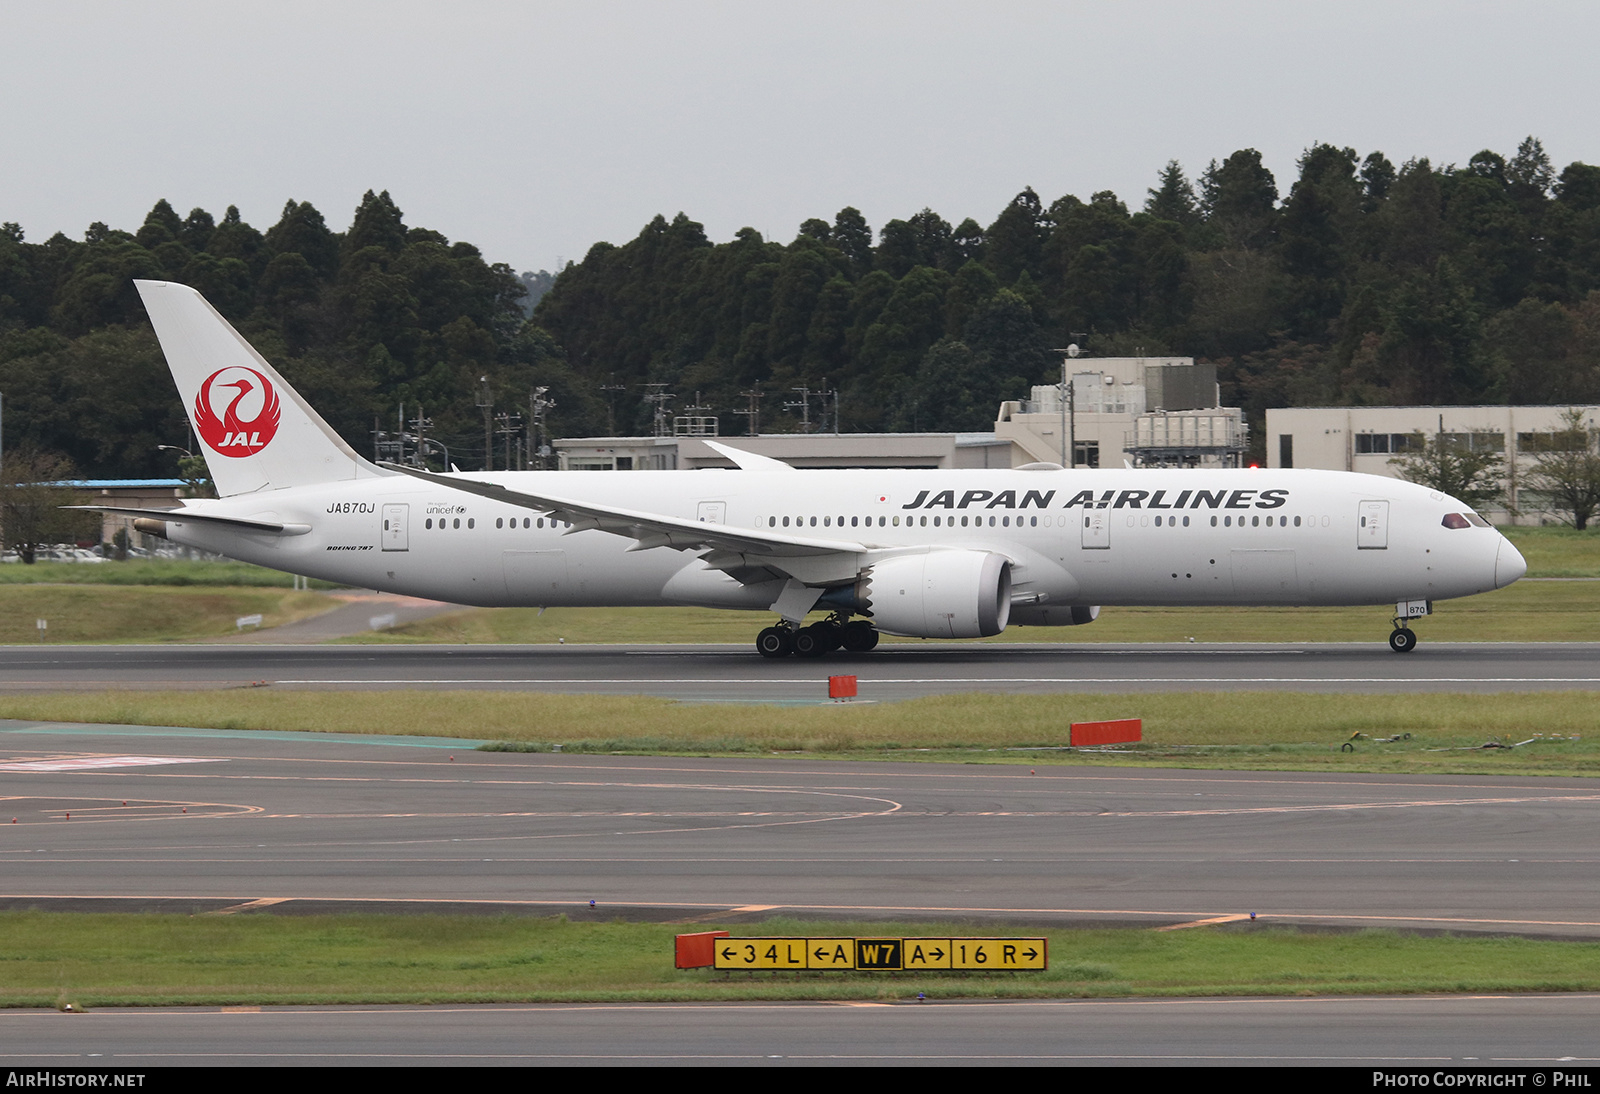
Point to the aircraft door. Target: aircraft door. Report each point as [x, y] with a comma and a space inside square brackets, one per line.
[394, 528]
[1372, 529]
[1096, 527]
[713, 512]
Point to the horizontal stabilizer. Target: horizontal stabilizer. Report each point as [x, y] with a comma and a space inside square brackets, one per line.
[180, 516]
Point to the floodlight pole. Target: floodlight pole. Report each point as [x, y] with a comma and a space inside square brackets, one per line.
[1069, 410]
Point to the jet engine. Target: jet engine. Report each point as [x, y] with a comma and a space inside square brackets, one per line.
[939, 594]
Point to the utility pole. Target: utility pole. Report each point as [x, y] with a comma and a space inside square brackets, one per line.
[658, 397]
[509, 426]
[752, 411]
[538, 407]
[611, 390]
[486, 404]
[803, 405]
[421, 424]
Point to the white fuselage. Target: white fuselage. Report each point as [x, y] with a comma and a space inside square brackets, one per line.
[1090, 537]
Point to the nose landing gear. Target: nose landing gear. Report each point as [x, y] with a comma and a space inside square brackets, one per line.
[1403, 639]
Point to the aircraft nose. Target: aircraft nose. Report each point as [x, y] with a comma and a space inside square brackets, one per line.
[1508, 564]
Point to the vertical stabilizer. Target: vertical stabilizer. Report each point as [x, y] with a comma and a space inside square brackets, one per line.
[255, 431]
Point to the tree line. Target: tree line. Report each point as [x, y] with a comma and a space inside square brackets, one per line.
[1365, 282]
[362, 322]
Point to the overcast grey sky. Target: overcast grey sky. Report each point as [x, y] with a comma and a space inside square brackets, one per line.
[534, 130]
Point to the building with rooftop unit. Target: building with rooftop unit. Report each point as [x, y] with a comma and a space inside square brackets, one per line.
[1369, 438]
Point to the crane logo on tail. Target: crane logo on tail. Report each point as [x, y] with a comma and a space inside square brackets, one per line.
[236, 412]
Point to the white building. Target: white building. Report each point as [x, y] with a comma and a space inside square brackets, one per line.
[1145, 411]
[1367, 438]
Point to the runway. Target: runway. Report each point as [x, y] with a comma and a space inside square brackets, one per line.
[1529, 1034]
[737, 674]
[196, 821]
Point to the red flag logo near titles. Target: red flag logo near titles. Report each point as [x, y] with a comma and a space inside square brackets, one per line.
[237, 411]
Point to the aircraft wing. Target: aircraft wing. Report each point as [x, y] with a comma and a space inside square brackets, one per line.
[739, 551]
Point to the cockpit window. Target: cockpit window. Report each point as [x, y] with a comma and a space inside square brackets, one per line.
[1455, 520]
[1476, 519]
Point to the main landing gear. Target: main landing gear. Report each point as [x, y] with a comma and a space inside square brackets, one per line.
[835, 632]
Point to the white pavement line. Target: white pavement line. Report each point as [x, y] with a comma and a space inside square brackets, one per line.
[100, 763]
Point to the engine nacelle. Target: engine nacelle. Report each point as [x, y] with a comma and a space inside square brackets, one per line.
[939, 594]
[1054, 615]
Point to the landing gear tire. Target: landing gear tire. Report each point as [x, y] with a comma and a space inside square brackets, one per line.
[859, 636]
[775, 642]
[1402, 640]
[812, 641]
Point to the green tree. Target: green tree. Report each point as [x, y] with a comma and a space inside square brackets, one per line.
[1174, 199]
[1567, 471]
[852, 235]
[1239, 197]
[1377, 175]
[968, 240]
[378, 223]
[1451, 466]
[944, 394]
[196, 476]
[1430, 348]
[34, 486]
[301, 230]
[1316, 219]
[1014, 243]
[160, 226]
[234, 238]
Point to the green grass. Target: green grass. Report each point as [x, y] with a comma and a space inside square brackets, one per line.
[89, 960]
[98, 613]
[149, 571]
[1238, 730]
[1527, 611]
[1557, 611]
[1558, 551]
